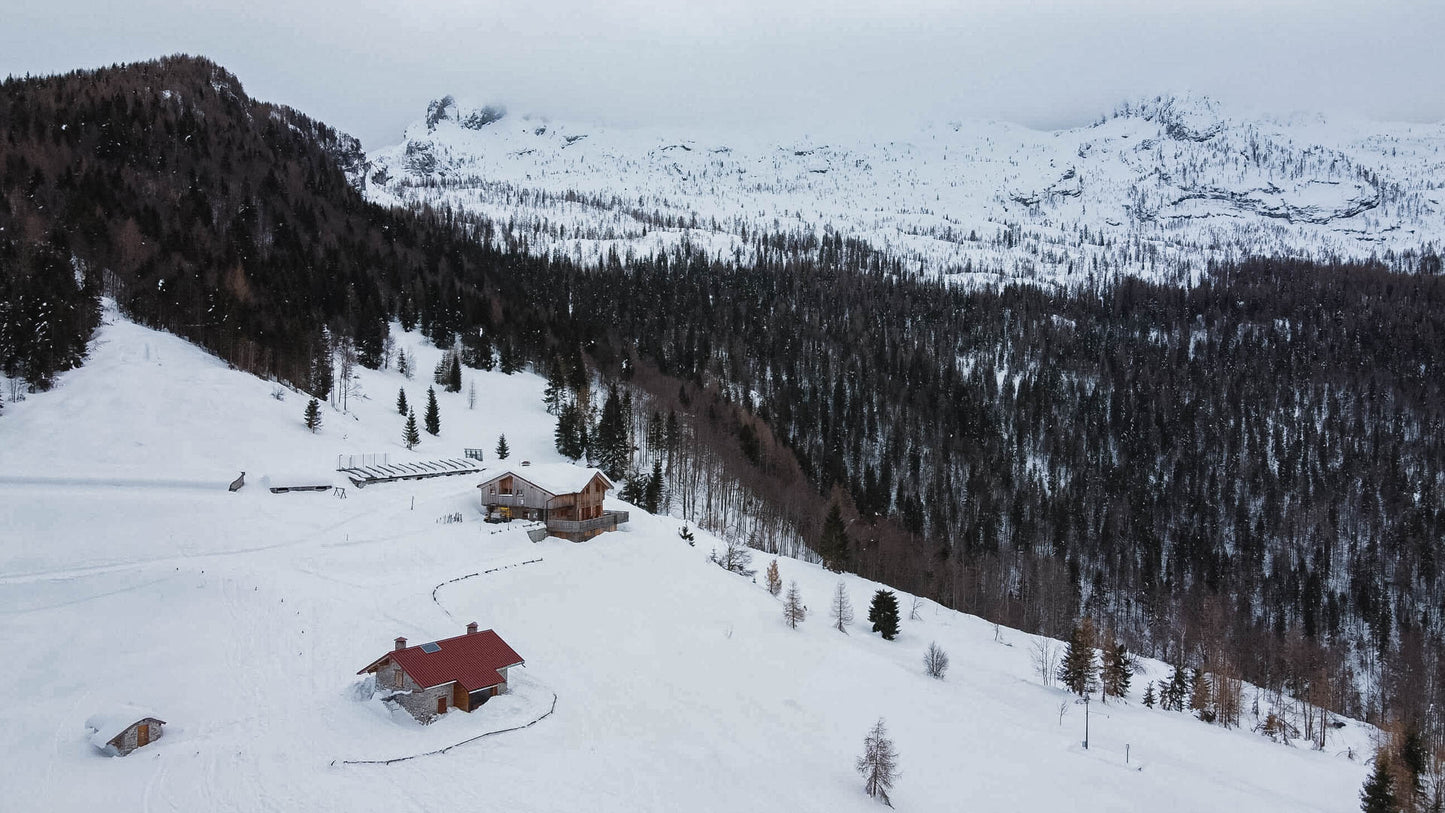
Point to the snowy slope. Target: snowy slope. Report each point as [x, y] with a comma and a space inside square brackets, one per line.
[1158, 189]
[128, 574]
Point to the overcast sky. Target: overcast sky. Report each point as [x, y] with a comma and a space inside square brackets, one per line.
[369, 66]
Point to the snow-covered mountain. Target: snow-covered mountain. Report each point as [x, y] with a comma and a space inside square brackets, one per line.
[1159, 188]
[129, 574]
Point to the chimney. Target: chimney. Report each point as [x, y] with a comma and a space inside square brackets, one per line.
[400, 644]
[472, 628]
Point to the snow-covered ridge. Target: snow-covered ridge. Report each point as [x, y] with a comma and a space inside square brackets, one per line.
[1159, 188]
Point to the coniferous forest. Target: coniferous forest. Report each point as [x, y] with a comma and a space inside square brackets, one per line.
[1244, 477]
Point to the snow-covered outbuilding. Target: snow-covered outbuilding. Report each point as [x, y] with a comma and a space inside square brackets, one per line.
[119, 731]
[568, 498]
[431, 679]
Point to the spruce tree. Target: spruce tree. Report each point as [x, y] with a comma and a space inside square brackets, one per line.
[1077, 671]
[1201, 700]
[652, 496]
[313, 414]
[613, 447]
[1173, 695]
[883, 613]
[401, 401]
[1117, 669]
[1149, 695]
[454, 373]
[774, 580]
[503, 450]
[1378, 794]
[409, 435]
[555, 393]
[433, 417]
[833, 544]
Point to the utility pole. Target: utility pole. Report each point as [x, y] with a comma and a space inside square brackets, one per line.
[1085, 701]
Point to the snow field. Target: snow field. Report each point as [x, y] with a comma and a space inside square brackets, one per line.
[242, 618]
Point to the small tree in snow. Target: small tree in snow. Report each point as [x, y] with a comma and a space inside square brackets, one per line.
[842, 608]
[1149, 698]
[736, 557]
[401, 406]
[775, 581]
[1078, 671]
[1045, 653]
[503, 450]
[935, 661]
[883, 612]
[313, 415]
[793, 610]
[409, 435]
[403, 363]
[433, 416]
[879, 763]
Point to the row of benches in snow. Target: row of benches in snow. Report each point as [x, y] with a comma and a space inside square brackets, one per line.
[361, 476]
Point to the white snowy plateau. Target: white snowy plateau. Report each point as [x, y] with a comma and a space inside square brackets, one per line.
[129, 574]
[1160, 189]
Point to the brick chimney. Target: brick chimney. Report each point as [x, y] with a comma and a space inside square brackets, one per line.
[400, 644]
[472, 628]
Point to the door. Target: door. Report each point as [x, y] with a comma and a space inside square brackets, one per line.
[441, 705]
[142, 735]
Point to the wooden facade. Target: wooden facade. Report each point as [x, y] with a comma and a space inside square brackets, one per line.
[567, 498]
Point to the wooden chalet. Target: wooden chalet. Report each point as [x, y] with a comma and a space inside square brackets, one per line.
[567, 498]
[454, 673]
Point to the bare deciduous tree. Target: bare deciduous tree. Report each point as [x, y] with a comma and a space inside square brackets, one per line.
[793, 610]
[736, 557]
[842, 608]
[1046, 659]
[913, 614]
[935, 661]
[879, 763]
[775, 581]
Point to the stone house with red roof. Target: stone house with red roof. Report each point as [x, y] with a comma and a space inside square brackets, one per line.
[454, 673]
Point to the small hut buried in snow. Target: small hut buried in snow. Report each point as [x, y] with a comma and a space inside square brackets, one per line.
[119, 731]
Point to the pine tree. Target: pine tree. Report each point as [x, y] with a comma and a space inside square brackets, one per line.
[433, 419]
[1077, 671]
[568, 443]
[313, 414]
[403, 364]
[1378, 794]
[503, 450]
[1149, 694]
[553, 396]
[879, 763]
[401, 401]
[409, 435]
[1172, 696]
[883, 613]
[1201, 698]
[652, 496]
[775, 581]
[793, 610]
[833, 544]
[613, 447]
[842, 607]
[472, 394]
[454, 373]
[1117, 669]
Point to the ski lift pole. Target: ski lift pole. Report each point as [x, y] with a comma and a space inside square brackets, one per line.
[1085, 701]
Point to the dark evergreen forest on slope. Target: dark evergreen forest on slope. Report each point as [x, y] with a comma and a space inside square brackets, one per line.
[1247, 476]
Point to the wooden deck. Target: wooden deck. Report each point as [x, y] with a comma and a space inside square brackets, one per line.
[362, 476]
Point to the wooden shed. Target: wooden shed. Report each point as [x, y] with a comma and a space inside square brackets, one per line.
[122, 730]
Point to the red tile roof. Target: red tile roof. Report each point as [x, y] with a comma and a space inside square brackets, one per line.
[473, 660]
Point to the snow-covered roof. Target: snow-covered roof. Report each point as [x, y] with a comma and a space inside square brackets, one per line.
[554, 478]
[107, 725]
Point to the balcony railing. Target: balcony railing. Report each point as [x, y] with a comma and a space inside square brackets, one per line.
[607, 522]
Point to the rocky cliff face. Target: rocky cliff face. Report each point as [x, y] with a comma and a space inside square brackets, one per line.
[1159, 188]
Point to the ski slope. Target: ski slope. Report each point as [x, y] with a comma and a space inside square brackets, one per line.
[131, 575]
[1158, 189]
